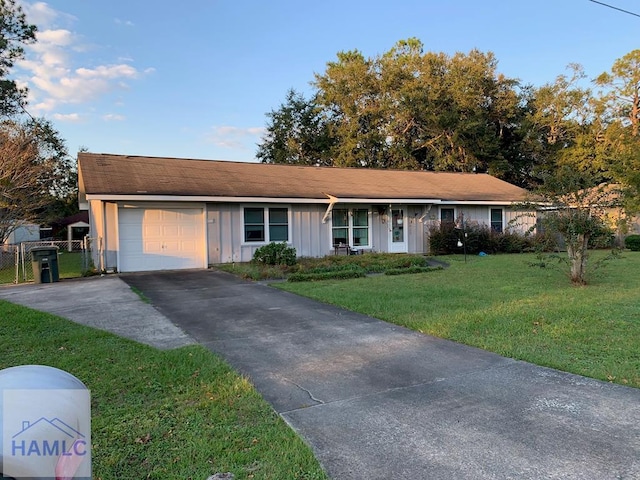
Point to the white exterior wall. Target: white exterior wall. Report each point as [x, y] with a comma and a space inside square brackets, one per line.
[307, 233]
[524, 222]
[225, 227]
[309, 236]
[26, 232]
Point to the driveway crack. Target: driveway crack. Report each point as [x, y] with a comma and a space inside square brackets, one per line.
[308, 392]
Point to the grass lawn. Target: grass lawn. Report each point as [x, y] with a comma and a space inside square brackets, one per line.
[500, 303]
[160, 414]
[69, 266]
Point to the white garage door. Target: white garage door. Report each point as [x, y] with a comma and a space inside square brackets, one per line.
[160, 239]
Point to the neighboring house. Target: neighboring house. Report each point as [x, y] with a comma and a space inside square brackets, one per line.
[24, 232]
[167, 213]
[76, 226]
[607, 198]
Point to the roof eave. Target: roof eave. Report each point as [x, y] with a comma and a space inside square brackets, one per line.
[229, 199]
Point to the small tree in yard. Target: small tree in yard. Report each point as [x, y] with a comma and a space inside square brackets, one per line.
[577, 214]
[35, 170]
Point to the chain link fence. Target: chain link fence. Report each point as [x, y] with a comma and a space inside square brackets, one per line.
[74, 259]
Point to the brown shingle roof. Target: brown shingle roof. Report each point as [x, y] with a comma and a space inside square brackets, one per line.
[103, 174]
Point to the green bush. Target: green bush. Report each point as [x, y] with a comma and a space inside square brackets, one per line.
[275, 254]
[632, 242]
[336, 268]
[444, 238]
[412, 269]
[331, 275]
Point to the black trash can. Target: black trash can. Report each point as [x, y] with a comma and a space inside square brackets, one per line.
[44, 261]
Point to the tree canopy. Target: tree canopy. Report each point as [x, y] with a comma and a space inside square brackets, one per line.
[37, 176]
[411, 109]
[15, 33]
[405, 109]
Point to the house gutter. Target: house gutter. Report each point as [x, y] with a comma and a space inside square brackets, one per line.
[478, 202]
[214, 199]
[331, 199]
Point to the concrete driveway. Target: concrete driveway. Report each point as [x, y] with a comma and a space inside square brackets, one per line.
[376, 401]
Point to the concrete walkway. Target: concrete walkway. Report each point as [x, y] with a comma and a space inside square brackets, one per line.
[104, 302]
[373, 400]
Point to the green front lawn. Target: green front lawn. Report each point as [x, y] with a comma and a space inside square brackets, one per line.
[70, 265]
[501, 304]
[160, 414]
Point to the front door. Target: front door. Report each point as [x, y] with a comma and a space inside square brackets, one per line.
[398, 231]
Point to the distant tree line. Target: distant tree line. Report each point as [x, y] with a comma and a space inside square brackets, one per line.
[416, 110]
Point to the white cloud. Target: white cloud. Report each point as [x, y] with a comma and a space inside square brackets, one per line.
[41, 14]
[113, 117]
[55, 70]
[108, 72]
[60, 37]
[126, 23]
[228, 136]
[49, 78]
[67, 117]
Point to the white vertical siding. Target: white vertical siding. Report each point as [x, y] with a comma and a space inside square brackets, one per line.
[379, 229]
[520, 221]
[312, 238]
[309, 236]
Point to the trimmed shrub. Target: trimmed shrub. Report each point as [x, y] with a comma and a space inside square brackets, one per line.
[336, 268]
[332, 275]
[632, 242]
[444, 238]
[275, 254]
[412, 269]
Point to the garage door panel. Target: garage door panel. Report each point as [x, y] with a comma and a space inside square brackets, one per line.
[171, 230]
[151, 231]
[161, 239]
[155, 216]
[152, 246]
[132, 247]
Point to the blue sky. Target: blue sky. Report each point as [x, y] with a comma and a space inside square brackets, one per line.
[195, 78]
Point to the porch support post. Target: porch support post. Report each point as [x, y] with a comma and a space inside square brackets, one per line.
[332, 201]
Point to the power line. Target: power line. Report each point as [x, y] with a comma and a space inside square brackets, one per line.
[615, 8]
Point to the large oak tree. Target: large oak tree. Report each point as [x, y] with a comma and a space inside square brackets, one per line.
[405, 109]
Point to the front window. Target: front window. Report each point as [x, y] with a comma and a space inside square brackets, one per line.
[350, 227]
[360, 227]
[340, 217]
[496, 220]
[447, 215]
[262, 224]
[254, 225]
[278, 225]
